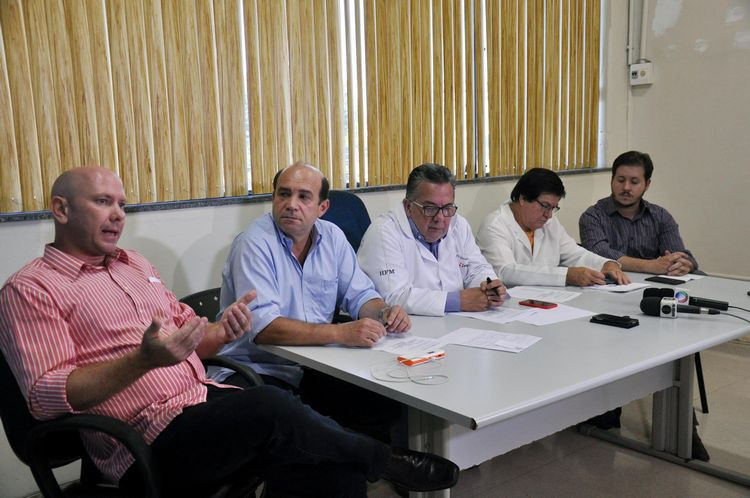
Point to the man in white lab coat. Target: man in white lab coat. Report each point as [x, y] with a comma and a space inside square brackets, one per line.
[422, 255]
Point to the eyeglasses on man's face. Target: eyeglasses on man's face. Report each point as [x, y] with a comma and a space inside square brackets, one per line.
[547, 208]
[431, 211]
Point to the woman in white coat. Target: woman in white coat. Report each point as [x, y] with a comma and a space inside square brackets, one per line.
[527, 245]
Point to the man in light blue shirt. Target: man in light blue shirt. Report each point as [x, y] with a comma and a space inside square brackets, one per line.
[303, 268]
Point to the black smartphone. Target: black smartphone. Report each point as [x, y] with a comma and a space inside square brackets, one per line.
[616, 321]
[665, 280]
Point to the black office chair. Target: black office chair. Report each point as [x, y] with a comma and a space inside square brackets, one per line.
[45, 445]
[204, 303]
[54, 443]
[348, 212]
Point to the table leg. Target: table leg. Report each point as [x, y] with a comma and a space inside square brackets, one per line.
[672, 427]
[672, 416]
[428, 433]
[685, 408]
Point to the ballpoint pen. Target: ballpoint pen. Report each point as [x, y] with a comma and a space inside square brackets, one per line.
[489, 281]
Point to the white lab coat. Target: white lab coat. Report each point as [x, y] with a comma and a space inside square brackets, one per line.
[507, 248]
[406, 273]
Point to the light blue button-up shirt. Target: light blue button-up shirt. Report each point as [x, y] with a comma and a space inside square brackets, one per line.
[261, 258]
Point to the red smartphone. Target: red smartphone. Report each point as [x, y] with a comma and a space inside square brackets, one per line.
[534, 303]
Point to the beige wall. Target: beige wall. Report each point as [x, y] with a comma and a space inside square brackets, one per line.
[693, 120]
[695, 123]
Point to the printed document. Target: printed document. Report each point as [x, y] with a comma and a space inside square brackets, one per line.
[560, 313]
[542, 294]
[496, 315]
[619, 288]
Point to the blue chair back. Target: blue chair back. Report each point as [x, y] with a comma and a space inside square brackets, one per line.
[348, 212]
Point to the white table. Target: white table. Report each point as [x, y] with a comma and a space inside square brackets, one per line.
[494, 401]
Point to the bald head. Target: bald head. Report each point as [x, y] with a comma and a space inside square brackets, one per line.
[300, 197]
[77, 180]
[88, 208]
[305, 169]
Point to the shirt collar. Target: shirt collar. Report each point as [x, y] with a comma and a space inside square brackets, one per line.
[431, 246]
[419, 236]
[611, 208]
[72, 266]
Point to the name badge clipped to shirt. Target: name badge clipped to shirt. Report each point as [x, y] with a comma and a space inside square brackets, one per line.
[154, 280]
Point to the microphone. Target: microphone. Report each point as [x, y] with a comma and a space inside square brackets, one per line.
[709, 303]
[667, 307]
[683, 297]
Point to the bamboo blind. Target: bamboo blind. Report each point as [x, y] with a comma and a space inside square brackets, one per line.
[480, 85]
[151, 89]
[364, 89]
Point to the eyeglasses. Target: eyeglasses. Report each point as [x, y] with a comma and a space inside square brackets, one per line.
[547, 208]
[432, 211]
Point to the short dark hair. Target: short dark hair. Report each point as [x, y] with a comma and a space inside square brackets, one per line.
[324, 185]
[634, 158]
[535, 182]
[429, 172]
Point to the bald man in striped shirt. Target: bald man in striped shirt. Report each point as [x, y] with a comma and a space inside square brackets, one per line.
[89, 327]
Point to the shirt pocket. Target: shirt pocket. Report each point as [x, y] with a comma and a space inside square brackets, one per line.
[320, 297]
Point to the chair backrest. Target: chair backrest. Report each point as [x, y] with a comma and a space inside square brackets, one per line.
[17, 422]
[204, 303]
[348, 212]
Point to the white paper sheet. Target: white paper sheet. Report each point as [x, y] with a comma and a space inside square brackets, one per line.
[559, 314]
[619, 288]
[488, 339]
[684, 278]
[407, 344]
[410, 345]
[542, 294]
[496, 315]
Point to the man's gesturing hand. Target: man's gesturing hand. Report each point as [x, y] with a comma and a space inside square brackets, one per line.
[161, 350]
[237, 319]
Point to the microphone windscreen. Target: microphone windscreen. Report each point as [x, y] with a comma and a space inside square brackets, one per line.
[650, 305]
[653, 292]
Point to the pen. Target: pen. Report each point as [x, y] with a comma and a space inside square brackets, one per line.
[489, 281]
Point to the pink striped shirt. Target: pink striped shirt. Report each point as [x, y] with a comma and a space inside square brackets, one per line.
[58, 313]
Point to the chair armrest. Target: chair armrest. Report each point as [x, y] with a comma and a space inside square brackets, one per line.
[118, 429]
[341, 317]
[251, 376]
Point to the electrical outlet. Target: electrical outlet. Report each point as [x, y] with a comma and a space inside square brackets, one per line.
[641, 74]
